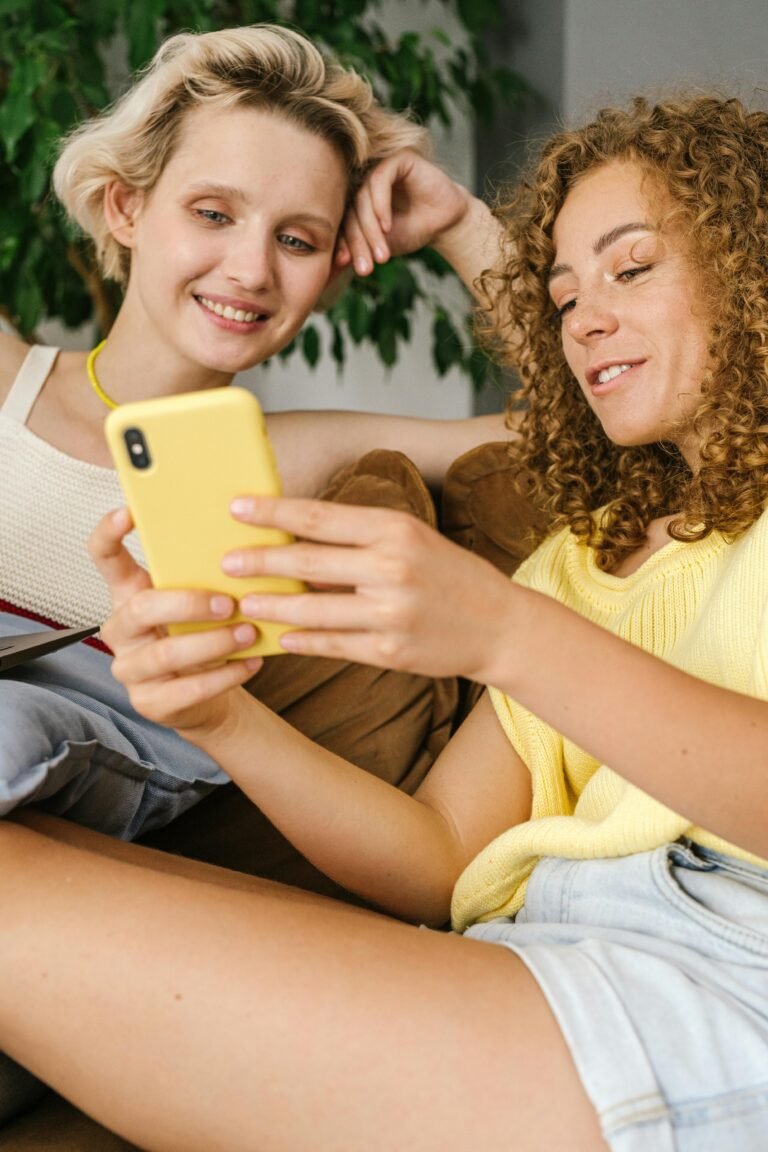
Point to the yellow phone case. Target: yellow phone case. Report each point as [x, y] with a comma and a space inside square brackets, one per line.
[181, 460]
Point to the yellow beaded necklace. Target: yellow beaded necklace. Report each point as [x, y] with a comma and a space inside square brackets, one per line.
[91, 370]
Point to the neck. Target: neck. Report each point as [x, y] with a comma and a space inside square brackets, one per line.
[130, 369]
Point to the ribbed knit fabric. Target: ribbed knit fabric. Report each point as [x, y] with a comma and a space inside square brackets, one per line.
[49, 504]
[700, 607]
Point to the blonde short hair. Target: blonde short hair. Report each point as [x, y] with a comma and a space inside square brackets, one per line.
[260, 66]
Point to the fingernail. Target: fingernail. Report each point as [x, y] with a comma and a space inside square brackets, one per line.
[381, 253]
[222, 605]
[233, 564]
[245, 634]
[241, 506]
[362, 266]
[249, 606]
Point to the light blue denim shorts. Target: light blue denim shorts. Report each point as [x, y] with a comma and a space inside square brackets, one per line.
[656, 968]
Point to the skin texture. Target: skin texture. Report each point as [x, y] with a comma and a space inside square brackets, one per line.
[370, 1016]
[625, 296]
[248, 212]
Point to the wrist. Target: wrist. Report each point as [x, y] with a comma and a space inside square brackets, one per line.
[474, 236]
[220, 729]
[504, 658]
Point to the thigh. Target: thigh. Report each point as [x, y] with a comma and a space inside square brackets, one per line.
[277, 1023]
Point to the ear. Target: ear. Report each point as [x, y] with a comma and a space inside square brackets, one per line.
[339, 279]
[121, 210]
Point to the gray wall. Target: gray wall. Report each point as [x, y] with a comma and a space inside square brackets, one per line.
[578, 55]
[614, 48]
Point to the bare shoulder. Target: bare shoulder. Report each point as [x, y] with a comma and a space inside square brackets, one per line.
[12, 353]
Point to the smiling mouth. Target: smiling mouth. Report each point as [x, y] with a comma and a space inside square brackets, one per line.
[227, 312]
[612, 372]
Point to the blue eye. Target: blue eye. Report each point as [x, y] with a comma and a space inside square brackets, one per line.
[294, 243]
[211, 216]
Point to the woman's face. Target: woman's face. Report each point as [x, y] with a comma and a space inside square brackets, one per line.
[234, 245]
[633, 326]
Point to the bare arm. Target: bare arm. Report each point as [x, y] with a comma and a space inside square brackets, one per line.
[400, 852]
[409, 203]
[420, 603]
[311, 446]
[700, 749]
[403, 853]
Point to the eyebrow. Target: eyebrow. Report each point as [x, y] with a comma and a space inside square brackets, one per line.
[603, 242]
[230, 192]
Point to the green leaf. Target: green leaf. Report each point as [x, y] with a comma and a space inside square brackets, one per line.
[8, 7]
[447, 348]
[337, 345]
[17, 115]
[386, 343]
[142, 27]
[358, 316]
[9, 247]
[29, 305]
[310, 345]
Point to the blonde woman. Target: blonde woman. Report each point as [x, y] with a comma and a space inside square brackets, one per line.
[225, 191]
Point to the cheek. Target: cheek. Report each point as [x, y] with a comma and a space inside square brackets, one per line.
[574, 353]
[307, 283]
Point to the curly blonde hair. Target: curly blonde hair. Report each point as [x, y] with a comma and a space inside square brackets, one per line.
[709, 156]
[260, 66]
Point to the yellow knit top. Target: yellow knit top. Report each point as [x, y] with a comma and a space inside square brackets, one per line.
[702, 607]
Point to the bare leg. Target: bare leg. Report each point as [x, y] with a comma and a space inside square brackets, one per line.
[188, 1013]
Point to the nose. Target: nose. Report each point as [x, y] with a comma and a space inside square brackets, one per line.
[250, 261]
[592, 317]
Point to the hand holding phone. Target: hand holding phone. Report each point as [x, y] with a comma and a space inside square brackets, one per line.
[181, 460]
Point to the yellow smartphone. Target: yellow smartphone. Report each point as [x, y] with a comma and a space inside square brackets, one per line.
[181, 460]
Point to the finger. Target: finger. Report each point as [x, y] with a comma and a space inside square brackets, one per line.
[359, 248]
[369, 219]
[379, 187]
[182, 654]
[380, 651]
[116, 565]
[163, 702]
[152, 608]
[337, 611]
[313, 564]
[318, 519]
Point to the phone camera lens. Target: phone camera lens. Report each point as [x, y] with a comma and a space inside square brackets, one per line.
[138, 453]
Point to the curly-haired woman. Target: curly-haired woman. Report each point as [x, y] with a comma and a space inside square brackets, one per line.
[597, 827]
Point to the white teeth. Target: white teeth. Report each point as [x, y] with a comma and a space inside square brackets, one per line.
[228, 312]
[612, 372]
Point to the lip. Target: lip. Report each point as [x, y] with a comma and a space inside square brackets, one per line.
[599, 389]
[230, 324]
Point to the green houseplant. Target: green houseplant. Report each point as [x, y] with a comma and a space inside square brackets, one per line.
[54, 70]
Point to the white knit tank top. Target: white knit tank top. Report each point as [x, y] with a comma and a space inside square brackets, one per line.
[49, 504]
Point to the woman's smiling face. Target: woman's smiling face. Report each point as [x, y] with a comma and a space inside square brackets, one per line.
[633, 326]
[234, 245]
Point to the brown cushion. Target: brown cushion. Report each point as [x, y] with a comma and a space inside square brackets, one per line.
[485, 509]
